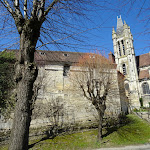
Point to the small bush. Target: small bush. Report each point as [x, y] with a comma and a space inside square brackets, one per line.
[141, 102]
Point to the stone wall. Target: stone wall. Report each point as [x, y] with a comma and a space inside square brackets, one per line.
[59, 103]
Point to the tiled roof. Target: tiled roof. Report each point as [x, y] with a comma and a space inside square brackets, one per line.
[46, 57]
[143, 60]
[43, 57]
[144, 74]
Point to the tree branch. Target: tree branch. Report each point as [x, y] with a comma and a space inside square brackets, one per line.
[7, 6]
[41, 10]
[81, 86]
[25, 9]
[33, 13]
[50, 7]
[17, 9]
[89, 89]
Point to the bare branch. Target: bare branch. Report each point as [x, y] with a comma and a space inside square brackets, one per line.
[41, 10]
[16, 3]
[50, 7]
[25, 9]
[17, 9]
[82, 87]
[7, 6]
[33, 13]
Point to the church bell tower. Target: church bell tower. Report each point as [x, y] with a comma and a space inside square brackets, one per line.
[125, 59]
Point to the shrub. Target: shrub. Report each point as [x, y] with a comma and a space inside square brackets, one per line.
[7, 61]
[141, 102]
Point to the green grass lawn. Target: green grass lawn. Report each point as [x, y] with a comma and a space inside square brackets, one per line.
[136, 131]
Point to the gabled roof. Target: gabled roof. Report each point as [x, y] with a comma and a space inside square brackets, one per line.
[144, 74]
[143, 60]
[43, 57]
[46, 57]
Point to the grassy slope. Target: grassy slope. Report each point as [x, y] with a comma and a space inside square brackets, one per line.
[135, 132]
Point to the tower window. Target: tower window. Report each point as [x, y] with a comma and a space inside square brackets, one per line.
[119, 48]
[66, 70]
[124, 69]
[123, 47]
[145, 88]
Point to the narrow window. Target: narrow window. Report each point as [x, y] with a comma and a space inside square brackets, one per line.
[66, 70]
[119, 48]
[123, 47]
[124, 69]
[145, 88]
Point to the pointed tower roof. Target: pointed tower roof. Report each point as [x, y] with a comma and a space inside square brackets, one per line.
[119, 25]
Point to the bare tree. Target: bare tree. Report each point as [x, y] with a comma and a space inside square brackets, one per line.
[54, 111]
[94, 76]
[35, 21]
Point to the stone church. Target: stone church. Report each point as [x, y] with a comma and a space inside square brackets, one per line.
[136, 69]
[59, 102]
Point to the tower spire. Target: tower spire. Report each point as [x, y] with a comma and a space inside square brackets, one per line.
[119, 24]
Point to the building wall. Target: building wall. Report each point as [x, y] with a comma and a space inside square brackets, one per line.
[61, 103]
[77, 109]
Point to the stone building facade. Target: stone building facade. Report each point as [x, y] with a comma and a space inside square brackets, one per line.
[136, 69]
[57, 89]
[59, 102]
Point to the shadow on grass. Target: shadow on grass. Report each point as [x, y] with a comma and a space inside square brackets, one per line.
[109, 129]
[112, 128]
[49, 135]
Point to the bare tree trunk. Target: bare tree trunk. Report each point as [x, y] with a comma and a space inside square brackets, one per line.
[99, 136]
[101, 112]
[26, 73]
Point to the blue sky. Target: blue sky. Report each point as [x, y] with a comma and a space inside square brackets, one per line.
[136, 16]
[97, 31]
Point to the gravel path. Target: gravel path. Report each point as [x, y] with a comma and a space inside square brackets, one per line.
[133, 147]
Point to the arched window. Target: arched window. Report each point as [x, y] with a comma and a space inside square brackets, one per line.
[119, 48]
[123, 47]
[124, 69]
[145, 88]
